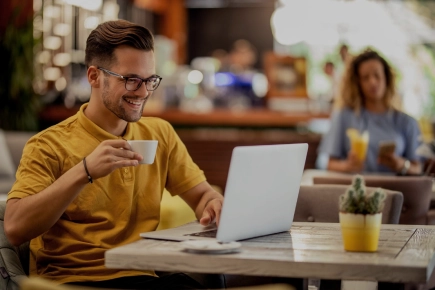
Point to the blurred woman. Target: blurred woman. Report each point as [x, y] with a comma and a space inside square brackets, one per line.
[368, 103]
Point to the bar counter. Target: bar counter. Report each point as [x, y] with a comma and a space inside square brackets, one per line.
[211, 137]
[259, 118]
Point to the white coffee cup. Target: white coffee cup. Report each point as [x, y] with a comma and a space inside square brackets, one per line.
[146, 148]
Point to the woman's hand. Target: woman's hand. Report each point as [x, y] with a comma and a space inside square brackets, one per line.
[400, 165]
[392, 161]
[350, 165]
[353, 164]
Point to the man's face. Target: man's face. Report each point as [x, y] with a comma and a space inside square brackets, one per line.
[130, 62]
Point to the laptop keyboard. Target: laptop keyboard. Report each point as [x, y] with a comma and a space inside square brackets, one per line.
[206, 234]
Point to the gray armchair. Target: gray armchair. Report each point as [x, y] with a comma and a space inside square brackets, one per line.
[319, 203]
[14, 261]
[11, 149]
[416, 190]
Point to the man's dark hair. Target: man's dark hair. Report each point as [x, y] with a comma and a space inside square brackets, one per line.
[104, 39]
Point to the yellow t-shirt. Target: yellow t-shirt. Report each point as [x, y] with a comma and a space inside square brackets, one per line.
[108, 213]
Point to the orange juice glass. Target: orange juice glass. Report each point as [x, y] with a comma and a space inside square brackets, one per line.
[359, 146]
[358, 143]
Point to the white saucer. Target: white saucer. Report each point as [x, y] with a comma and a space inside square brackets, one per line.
[210, 247]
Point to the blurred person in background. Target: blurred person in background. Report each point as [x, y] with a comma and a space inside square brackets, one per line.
[222, 58]
[238, 84]
[243, 56]
[368, 103]
[329, 70]
[344, 54]
[340, 67]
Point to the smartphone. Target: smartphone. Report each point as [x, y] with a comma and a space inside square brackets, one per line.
[386, 148]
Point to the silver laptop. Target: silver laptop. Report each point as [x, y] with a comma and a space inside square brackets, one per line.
[260, 195]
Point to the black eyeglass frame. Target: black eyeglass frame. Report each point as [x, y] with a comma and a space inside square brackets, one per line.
[127, 78]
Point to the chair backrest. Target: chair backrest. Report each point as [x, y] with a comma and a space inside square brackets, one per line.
[16, 140]
[319, 203]
[14, 261]
[416, 190]
[37, 283]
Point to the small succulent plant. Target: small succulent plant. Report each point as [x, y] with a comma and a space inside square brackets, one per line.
[355, 200]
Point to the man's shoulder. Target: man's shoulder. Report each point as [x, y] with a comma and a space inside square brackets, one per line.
[152, 127]
[61, 130]
[155, 120]
[154, 123]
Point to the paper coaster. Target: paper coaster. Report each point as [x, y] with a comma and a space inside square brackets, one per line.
[210, 247]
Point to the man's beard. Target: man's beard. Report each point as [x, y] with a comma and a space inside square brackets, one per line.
[117, 108]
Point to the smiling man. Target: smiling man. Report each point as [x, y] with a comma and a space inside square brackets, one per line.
[80, 190]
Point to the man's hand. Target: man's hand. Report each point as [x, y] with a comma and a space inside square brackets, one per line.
[212, 212]
[205, 201]
[111, 155]
[28, 217]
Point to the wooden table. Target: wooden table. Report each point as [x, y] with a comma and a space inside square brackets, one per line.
[315, 250]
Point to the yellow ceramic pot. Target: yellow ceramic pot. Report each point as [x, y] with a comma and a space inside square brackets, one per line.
[360, 232]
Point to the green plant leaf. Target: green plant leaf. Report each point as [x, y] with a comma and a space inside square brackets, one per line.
[355, 200]
[20, 104]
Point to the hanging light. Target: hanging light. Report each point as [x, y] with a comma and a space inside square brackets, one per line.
[62, 59]
[52, 73]
[195, 77]
[52, 42]
[93, 5]
[288, 25]
[62, 29]
[91, 22]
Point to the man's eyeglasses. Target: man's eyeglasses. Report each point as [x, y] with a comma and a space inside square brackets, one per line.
[134, 83]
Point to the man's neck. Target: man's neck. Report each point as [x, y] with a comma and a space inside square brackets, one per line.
[106, 120]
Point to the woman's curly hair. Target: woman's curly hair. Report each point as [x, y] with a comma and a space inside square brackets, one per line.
[351, 94]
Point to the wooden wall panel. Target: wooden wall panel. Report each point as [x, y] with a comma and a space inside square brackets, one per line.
[219, 28]
[173, 22]
[211, 149]
[7, 7]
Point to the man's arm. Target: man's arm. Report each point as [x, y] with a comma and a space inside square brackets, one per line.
[31, 216]
[205, 201]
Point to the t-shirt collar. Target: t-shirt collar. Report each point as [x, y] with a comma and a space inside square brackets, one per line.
[99, 132]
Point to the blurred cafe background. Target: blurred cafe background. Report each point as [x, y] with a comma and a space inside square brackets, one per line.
[235, 72]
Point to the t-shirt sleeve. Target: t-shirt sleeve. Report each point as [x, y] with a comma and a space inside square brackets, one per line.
[38, 169]
[183, 173]
[412, 139]
[333, 142]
